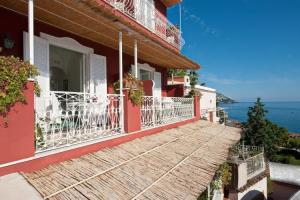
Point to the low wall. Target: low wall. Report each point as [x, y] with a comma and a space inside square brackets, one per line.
[17, 138]
[175, 90]
[148, 87]
[39, 162]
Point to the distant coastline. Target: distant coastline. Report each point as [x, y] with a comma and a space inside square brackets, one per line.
[222, 99]
[294, 135]
[285, 114]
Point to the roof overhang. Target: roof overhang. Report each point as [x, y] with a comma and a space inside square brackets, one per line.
[169, 3]
[99, 22]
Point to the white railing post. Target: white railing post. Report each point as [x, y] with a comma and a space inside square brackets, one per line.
[121, 82]
[31, 30]
[153, 111]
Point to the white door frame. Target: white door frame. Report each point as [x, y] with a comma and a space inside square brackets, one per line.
[73, 45]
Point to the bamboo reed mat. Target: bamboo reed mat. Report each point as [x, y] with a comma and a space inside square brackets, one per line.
[174, 164]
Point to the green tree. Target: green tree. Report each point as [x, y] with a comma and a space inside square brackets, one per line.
[293, 143]
[193, 78]
[193, 81]
[177, 72]
[258, 131]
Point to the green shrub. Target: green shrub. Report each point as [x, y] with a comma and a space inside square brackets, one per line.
[203, 196]
[293, 143]
[287, 157]
[14, 74]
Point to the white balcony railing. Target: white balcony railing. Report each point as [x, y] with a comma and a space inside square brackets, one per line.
[145, 13]
[68, 118]
[253, 156]
[255, 165]
[165, 110]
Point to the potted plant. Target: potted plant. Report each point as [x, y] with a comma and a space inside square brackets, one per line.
[134, 86]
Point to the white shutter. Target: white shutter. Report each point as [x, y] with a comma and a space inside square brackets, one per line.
[98, 80]
[41, 61]
[157, 84]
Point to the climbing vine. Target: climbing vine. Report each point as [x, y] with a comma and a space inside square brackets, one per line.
[14, 75]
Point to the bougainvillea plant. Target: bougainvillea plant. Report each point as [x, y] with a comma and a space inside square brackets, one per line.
[14, 75]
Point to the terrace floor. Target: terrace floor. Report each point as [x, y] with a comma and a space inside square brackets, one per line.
[174, 164]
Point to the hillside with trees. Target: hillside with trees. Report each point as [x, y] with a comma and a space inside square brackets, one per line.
[224, 99]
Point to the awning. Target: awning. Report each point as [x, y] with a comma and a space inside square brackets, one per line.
[99, 22]
[174, 164]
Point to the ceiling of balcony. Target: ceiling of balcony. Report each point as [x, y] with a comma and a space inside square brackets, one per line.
[101, 24]
[169, 3]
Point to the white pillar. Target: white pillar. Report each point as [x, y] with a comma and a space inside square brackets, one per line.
[31, 31]
[135, 59]
[121, 82]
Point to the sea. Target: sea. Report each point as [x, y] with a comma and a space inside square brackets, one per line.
[284, 114]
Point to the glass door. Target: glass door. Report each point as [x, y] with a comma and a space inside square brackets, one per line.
[67, 70]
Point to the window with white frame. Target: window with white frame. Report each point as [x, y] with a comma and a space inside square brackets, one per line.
[145, 75]
[66, 69]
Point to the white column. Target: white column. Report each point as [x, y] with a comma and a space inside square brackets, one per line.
[31, 30]
[121, 82]
[135, 59]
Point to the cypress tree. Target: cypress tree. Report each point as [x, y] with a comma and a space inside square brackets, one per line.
[259, 131]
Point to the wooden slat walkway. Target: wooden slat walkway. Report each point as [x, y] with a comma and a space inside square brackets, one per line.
[174, 164]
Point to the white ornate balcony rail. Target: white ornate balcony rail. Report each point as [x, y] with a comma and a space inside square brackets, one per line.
[68, 118]
[253, 156]
[255, 165]
[246, 151]
[165, 110]
[145, 13]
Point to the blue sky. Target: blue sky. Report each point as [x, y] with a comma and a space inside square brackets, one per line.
[247, 48]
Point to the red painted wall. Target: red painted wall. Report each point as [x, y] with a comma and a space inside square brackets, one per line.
[17, 138]
[197, 107]
[148, 87]
[14, 25]
[175, 90]
[132, 115]
[177, 79]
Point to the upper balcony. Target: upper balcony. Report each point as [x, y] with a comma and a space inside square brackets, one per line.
[101, 21]
[145, 13]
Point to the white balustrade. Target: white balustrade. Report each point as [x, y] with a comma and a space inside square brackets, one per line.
[165, 110]
[145, 13]
[253, 156]
[255, 165]
[68, 118]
